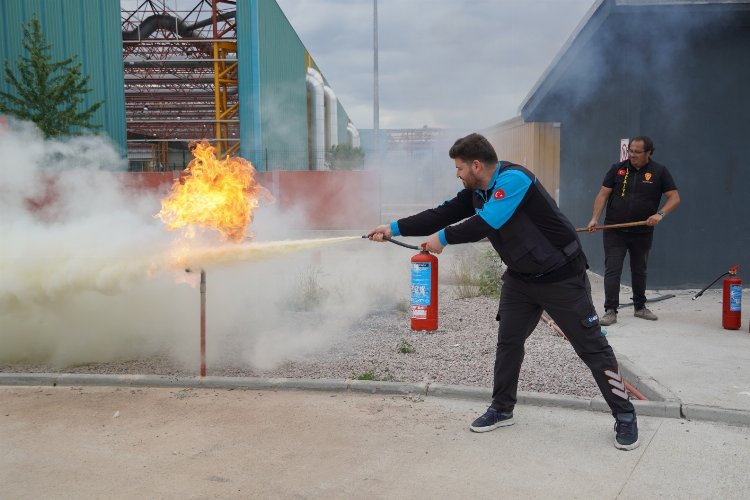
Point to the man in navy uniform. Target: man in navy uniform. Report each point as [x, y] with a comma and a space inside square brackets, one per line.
[507, 204]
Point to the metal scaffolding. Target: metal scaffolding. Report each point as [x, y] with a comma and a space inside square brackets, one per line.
[180, 80]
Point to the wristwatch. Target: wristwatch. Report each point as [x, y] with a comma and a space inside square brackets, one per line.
[661, 212]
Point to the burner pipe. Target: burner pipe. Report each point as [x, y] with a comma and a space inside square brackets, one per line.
[203, 323]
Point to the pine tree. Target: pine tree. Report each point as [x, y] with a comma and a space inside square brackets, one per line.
[48, 93]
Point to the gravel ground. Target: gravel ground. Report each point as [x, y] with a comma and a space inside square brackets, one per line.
[461, 352]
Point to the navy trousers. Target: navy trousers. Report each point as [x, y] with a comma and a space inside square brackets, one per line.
[568, 303]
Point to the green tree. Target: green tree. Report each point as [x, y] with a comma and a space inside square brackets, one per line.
[345, 157]
[48, 93]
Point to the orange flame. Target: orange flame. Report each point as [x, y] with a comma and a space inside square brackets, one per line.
[212, 193]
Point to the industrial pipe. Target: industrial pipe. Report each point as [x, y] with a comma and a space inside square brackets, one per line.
[203, 323]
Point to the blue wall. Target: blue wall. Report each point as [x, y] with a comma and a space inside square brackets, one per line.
[88, 29]
[681, 77]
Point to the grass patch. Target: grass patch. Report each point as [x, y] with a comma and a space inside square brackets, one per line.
[476, 273]
[368, 375]
[490, 271]
[405, 347]
[371, 375]
[310, 294]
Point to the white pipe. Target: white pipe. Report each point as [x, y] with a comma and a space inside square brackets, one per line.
[332, 118]
[353, 134]
[315, 86]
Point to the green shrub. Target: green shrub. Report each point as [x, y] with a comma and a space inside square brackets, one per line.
[310, 293]
[490, 271]
[368, 375]
[405, 347]
[345, 157]
[477, 273]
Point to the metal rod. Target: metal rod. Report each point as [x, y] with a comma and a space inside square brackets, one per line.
[181, 40]
[203, 323]
[180, 139]
[178, 121]
[613, 226]
[167, 61]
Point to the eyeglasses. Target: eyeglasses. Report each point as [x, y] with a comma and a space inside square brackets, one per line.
[635, 152]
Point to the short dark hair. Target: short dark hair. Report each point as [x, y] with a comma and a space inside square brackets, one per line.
[474, 147]
[648, 144]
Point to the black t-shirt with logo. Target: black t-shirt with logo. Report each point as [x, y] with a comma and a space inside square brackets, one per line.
[635, 193]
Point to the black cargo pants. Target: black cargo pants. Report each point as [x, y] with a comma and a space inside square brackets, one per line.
[616, 245]
[568, 303]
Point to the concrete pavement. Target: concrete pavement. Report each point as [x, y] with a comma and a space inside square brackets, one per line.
[136, 442]
[95, 436]
[686, 355]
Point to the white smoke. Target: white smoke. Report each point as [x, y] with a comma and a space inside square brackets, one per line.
[84, 275]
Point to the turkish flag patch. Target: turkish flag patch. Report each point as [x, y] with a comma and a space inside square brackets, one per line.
[499, 194]
[621, 171]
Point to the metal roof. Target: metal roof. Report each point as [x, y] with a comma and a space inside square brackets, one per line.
[586, 30]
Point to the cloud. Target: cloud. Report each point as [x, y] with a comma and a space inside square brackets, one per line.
[449, 64]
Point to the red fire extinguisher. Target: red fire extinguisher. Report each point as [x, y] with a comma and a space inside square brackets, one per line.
[732, 301]
[424, 291]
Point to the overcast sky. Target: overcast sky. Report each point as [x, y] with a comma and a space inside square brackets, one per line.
[463, 64]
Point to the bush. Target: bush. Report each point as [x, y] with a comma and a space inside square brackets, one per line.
[345, 157]
[405, 347]
[477, 273]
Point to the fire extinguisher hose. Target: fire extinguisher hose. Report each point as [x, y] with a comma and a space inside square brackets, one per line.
[709, 286]
[385, 238]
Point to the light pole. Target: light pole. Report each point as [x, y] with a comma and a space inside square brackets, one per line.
[375, 91]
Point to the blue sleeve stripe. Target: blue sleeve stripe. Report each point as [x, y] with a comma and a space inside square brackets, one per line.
[509, 190]
[394, 229]
[441, 237]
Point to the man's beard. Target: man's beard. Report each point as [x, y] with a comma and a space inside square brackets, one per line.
[470, 183]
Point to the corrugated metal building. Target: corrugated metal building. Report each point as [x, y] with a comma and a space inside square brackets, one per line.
[276, 137]
[678, 72]
[536, 146]
[287, 119]
[97, 42]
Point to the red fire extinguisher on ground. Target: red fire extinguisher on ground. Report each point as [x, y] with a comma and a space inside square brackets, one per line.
[731, 315]
[424, 291]
[731, 306]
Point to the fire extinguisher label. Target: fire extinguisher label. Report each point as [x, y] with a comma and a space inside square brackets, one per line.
[421, 283]
[735, 298]
[418, 312]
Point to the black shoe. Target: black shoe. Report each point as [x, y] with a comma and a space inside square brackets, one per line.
[609, 318]
[626, 426]
[491, 420]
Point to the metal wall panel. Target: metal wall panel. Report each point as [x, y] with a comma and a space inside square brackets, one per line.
[692, 100]
[282, 79]
[249, 82]
[273, 94]
[88, 29]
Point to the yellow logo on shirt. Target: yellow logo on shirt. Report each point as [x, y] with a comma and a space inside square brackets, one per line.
[647, 176]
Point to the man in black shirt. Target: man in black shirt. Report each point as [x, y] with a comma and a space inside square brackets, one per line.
[632, 190]
[507, 204]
